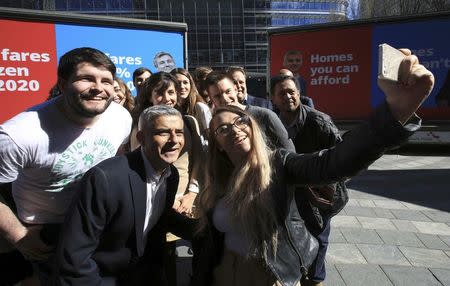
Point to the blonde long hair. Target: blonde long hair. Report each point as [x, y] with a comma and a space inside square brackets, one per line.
[245, 188]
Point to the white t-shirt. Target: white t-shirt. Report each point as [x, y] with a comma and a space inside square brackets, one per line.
[44, 154]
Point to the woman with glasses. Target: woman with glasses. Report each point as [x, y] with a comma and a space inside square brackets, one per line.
[122, 94]
[250, 231]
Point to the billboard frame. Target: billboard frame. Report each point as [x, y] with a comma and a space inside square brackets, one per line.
[28, 15]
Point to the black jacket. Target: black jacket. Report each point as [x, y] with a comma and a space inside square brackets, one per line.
[296, 250]
[102, 236]
[312, 132]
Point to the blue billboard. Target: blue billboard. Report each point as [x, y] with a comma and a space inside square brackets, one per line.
[129, 49]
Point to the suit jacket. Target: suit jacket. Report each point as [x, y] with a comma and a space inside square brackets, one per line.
[102, 237]
[258, 101]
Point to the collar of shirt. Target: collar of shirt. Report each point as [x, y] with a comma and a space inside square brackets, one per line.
[297, 124]
[150, 172]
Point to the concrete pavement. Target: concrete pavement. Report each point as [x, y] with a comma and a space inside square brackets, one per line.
[395, 230]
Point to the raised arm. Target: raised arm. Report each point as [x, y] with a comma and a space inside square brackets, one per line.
[414, 86]
[389, 126]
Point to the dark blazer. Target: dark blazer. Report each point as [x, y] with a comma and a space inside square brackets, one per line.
[258, 101]
[102, 237]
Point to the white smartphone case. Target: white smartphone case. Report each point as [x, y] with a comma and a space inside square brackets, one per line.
[389, 60]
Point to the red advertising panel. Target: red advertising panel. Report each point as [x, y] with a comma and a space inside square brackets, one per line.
[336, 67]
[27, 65]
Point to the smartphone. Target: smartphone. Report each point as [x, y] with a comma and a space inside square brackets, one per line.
[389, 60]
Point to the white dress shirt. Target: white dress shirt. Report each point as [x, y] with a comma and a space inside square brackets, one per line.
[156, 195]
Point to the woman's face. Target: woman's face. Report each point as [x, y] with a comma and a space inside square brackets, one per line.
[119, 94]
[185, 85]
[232, 133]
[167, 96]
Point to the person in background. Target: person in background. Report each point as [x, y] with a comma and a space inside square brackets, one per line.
[200, 74]
[47, 149]
[223, 91]
[311, 131]
[123, 95]
[293, 61]
[190, 102]
[139, 76]
[240, 81]
[115, 232]
[304, 99]
[164, 62]
[250, 230]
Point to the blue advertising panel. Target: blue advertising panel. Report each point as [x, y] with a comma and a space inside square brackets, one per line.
[427, 39]
[129, 49]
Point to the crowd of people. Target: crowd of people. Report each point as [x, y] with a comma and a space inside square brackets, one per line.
[99, 179]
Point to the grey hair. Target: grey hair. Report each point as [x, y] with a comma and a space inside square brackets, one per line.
[151, 113]
[158, 55]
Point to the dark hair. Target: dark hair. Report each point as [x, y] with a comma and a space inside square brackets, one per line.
[199, 75]
[214, 77]
[280, 78]
[231, 70]
[188, 107]
[137, 72]
[69, 61]
[53, 92]
[158, 81]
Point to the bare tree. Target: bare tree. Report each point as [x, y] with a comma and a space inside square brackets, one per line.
[380, 8]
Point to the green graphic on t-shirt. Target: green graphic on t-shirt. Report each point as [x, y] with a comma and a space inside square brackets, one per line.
[79, 157]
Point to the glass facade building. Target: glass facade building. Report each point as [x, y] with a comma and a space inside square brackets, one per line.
[221, 33]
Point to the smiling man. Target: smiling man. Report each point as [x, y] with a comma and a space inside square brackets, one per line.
[47, 148]
[116, 231]
[222, 91]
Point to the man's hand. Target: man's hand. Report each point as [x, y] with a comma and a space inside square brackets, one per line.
[414, 85]
[31, 245]
[184, 204]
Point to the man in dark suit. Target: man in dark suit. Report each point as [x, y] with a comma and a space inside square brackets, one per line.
[240, 81]
[115, 232]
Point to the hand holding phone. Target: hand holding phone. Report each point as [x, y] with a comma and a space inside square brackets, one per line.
[389, 60]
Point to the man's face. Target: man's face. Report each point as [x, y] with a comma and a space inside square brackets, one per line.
[293, 62]
[286, 96]
[163, 141]
[137, 82]
[223, 93]
[165, 63]
[89, 90]
[241, 85]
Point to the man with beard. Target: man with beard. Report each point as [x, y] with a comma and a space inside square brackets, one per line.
[47, 148]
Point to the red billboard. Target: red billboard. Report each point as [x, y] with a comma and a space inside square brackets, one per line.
[27, 65]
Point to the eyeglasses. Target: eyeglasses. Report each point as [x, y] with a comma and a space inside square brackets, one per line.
[241, 123]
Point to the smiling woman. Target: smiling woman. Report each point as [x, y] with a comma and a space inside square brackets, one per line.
[250, 230]
[123, 95]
